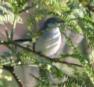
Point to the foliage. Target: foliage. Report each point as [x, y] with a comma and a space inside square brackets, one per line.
[77, 15]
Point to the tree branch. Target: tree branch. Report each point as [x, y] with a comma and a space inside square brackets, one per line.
[15, 42]
[46, 57]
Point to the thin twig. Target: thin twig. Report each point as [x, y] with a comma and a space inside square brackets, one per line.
[12, 41]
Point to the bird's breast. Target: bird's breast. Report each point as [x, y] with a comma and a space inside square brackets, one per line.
[49, 43]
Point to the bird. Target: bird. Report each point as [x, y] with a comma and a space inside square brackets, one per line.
[49, 42]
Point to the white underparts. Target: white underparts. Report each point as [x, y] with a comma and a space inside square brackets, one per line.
[49, 43]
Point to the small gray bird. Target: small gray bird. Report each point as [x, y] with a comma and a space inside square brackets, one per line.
[50, 41]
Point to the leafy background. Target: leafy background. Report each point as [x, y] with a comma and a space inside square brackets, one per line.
[78, 16]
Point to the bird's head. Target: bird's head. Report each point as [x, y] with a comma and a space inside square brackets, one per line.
[52, 22]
